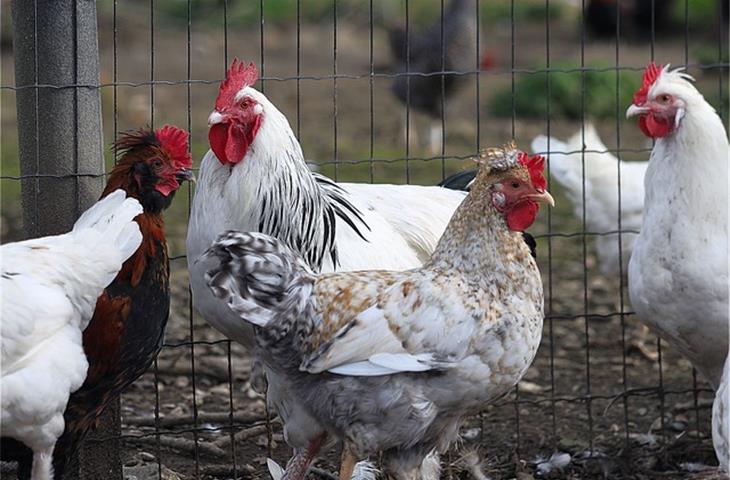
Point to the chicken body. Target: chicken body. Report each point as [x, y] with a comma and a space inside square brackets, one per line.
[601, 191]
[49, 290]
[392, 361]
[678, 273]
[127, 329]
[449, 44]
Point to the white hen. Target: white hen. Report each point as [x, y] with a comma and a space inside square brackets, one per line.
[49, 289]
[601, 191]
[678, 274]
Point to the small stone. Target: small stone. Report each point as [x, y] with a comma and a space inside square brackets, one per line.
[470, 433]
[182, 382]
[147, 457]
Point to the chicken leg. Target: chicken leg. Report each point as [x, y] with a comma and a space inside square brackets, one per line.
[347, 462]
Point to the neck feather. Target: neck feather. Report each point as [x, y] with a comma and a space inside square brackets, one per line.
[477, 239]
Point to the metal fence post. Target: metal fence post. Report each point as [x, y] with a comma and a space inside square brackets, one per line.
[61, 144]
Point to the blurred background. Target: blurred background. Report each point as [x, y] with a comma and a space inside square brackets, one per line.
[601, 389]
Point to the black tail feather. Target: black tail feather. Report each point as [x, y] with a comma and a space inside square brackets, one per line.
[459, 181]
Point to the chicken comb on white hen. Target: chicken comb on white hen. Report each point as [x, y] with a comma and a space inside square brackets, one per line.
[392, 361]
[678, 273]
[49, 289]
[567, 160]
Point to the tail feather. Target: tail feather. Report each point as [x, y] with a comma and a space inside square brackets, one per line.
[459, 181]
[111, 221]
[566, 168]
[262, 280]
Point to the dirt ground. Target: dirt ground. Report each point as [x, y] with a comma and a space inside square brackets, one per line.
[617, 413]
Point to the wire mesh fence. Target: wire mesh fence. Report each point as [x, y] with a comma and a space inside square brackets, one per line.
[615, 398]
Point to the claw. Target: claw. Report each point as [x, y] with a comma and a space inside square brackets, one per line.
[275, 470]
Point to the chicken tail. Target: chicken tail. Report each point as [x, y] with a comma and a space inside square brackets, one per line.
[460, 180]
[111, 221]
[263, 281]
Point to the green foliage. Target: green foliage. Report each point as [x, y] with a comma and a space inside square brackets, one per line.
[700, 13]
[531, 94]
[523, 10]
[421, 12]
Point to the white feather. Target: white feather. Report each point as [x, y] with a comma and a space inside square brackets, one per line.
[49, 289]
[598, 170]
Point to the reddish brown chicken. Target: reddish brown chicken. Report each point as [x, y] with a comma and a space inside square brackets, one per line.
[127, 328]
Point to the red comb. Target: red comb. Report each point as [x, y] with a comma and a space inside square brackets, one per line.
[535, 165]
[238, 76]
[650, 75]
[175, 142]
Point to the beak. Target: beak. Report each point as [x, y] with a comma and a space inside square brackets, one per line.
[543, 197]
[634, 110]
[215, 118]
[185, 174]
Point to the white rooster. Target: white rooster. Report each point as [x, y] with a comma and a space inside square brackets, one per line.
[392, 361]
[678, 273]
[255, 179]
[50, 286]
[601, 191]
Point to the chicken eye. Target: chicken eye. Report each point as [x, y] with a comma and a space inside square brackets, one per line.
[515, 185]
[157, 163]
[664, 98]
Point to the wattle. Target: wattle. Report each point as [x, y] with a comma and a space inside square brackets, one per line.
[230, 141]
[654, 127]
[167, 186]
[522, 216]
[217, 138]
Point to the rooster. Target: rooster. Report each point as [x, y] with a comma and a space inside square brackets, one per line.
[126, 331]
[567, 161]
[49, 288]
[255, 179]
[678, 272]
[389, 361]
[447, 45]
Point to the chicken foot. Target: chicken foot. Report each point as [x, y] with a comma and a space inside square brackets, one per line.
[297, 467]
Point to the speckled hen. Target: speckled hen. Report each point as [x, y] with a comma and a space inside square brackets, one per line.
[392, 361]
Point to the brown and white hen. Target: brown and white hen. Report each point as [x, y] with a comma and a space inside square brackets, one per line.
[391, 361]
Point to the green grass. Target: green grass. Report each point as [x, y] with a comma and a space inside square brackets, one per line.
[531, 94]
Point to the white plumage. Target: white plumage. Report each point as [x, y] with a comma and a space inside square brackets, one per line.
[567, 161]
[49, 289]
[678, 273]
